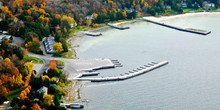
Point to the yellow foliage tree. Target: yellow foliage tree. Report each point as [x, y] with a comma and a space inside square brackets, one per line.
[95, 15]
[7, 60]
[44, 77]
[69, 19]
[58, 16]
[22, 96]
[29, 66]
[23, 107]
[124, 14]
[145, 4]
[6, 10]
[53, 79]
[65, 30]
[16, 81]
[25, 51]
[58, 47]
[95, 25]
[27, 90]
[47, 99]
[15, 19]
[134, 3]
[41, 10]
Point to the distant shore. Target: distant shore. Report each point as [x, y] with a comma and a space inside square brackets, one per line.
[158, 19]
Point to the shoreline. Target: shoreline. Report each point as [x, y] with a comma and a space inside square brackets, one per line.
[161, 18]
[73, 40]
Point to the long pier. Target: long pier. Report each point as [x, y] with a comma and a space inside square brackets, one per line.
[190, 30]
[130, 74]
[117, 27]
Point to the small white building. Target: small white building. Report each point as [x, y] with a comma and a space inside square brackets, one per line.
[89, 16]
[211, 4]
[184, 5]
[73, 25]
[1, 58]
[43, 90]
[48, 44]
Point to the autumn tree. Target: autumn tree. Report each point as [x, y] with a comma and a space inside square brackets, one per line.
[16, 81]
[47, 99]
[44, 77]
[58, 47]
[35, 107]
[124, 14]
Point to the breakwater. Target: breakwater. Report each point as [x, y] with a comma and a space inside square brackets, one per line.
[92, 33]
[118, 27]
[130, 74]
[190, 30]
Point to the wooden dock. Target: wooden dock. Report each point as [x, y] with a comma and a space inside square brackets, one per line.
[118, 27]
[190, 30]
[128, 75]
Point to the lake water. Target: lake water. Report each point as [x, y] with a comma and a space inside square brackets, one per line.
[191, 80]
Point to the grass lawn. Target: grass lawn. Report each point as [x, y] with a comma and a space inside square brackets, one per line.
[185, 10]
[67, 55]
[80, 28]
[213, 9]
[61, 62]
[199, 10]
[33, 59]
[14, 93]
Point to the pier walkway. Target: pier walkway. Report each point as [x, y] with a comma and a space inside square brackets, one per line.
[190, 30]
[130, 74]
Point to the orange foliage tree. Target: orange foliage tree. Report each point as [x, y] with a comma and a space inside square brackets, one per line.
[35, 107]
[53, 64]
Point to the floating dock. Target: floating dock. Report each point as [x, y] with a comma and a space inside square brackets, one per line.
[92, 33]
[118, 27]
[190, 30]
[125, 76]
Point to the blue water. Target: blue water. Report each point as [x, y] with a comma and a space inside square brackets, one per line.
[191, 80]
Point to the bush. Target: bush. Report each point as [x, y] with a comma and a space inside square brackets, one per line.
[65, 48]
[51, 73]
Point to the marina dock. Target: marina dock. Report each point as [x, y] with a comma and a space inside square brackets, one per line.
[118, 27]
[128, 75]
[190, 30]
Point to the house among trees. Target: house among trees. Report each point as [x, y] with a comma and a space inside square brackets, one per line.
[211, 4]
[89, 17]
[1, 58]
[48, 44]
[3, 32]
[73, 25]
[130, 10]
[43, 90]
[167, 7]
[184, 5]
